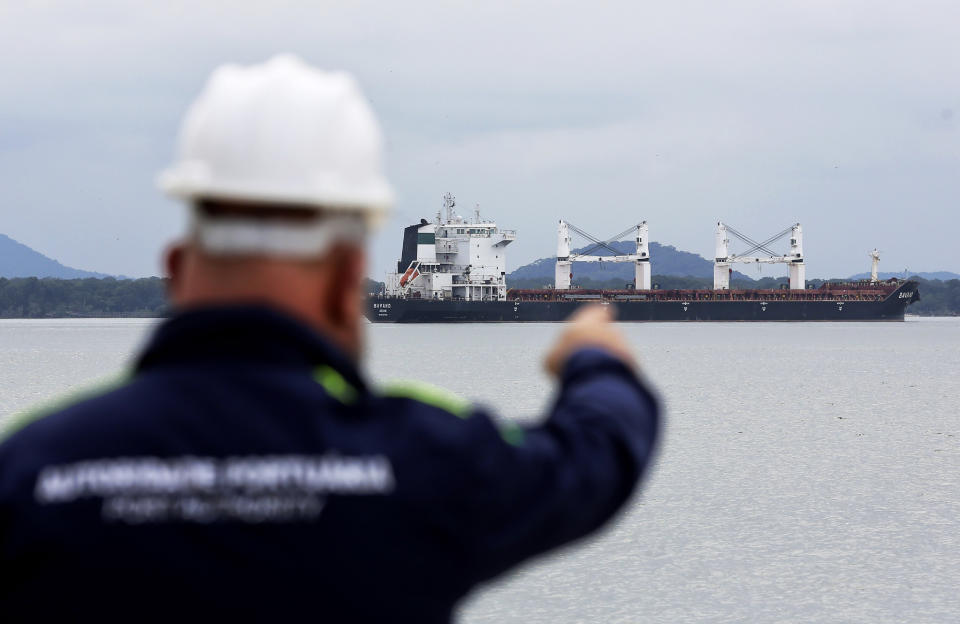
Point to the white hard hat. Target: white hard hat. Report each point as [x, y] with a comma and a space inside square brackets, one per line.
[282, 132]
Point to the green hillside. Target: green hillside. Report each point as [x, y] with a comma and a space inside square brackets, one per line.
[666, 260]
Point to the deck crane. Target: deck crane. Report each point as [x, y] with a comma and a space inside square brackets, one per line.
[723, 258]
[874, 265]
[565, 258]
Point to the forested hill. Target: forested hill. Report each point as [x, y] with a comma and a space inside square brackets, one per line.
[18, 260]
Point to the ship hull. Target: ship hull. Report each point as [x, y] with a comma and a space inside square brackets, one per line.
[397, 310]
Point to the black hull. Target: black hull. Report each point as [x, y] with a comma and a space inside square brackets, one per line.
[394, 310]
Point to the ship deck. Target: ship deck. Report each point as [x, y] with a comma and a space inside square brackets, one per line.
[828, 292]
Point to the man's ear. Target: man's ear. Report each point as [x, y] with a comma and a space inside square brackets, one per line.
[341, 297]
[346, 271]
[173, 264]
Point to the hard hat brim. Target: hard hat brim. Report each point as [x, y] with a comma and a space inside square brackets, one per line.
[374, 202]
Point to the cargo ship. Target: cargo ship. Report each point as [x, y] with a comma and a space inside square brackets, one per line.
[453, 270]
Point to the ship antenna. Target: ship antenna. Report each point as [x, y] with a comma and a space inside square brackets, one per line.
[449, 202]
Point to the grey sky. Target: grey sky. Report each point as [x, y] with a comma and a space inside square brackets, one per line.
[844, 116]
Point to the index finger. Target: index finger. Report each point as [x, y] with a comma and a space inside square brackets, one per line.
[593, 312]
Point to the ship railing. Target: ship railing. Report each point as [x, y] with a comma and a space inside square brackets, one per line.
[582, 297]
[484, 234]
[700, 295]
[485, 283]
[485, 280]
[455, 268]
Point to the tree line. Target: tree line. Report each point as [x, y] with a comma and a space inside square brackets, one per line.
[49, 297]
[31, 297]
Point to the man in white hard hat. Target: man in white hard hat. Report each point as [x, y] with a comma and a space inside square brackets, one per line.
[245, 469]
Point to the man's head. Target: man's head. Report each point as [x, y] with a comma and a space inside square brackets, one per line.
[280, 165]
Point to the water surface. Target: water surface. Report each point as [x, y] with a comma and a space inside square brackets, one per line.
[809, 471]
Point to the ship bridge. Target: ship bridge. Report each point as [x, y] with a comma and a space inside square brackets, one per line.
[452, 258]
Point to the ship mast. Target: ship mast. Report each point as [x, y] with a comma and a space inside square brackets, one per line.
[448, 204]
[874, 265]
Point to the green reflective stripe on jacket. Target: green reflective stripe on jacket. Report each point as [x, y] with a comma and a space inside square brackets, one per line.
[61, 402]
[512, 433]
[431, 395]
[335, 385]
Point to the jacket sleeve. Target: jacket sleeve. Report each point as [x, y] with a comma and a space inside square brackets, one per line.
[530, 490]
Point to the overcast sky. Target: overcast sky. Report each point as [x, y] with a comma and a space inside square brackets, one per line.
[844, 116]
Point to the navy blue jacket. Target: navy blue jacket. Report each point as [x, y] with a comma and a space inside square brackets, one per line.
[246, 470]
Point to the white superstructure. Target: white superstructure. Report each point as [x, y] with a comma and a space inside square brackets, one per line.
[452, 258]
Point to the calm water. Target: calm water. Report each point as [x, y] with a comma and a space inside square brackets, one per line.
[809, 472]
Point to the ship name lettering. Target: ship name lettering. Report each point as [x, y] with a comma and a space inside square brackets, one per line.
[906, 295]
